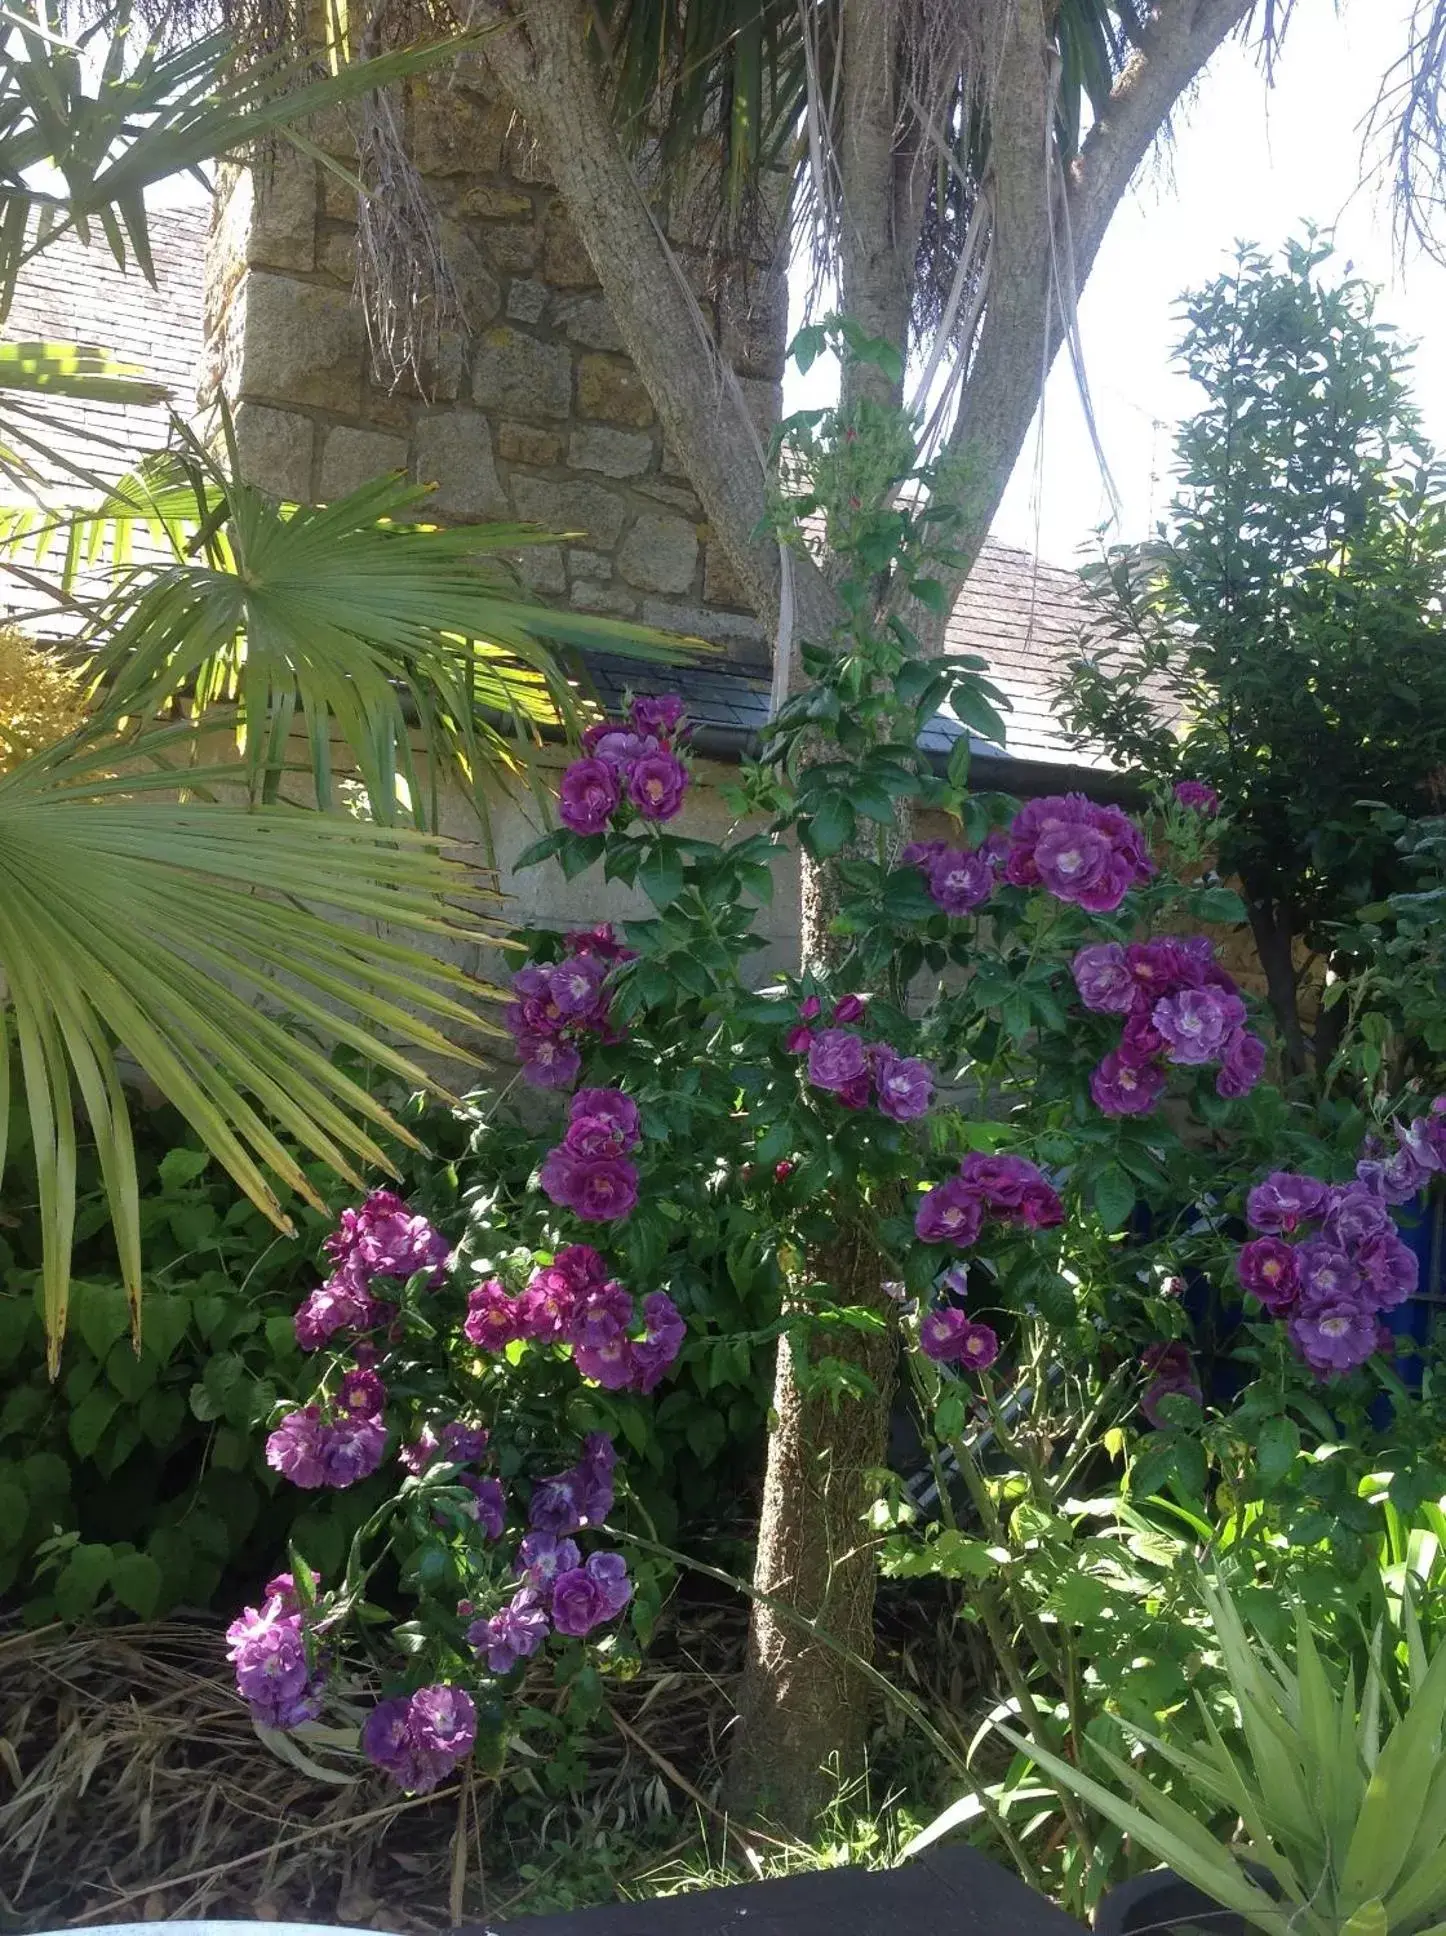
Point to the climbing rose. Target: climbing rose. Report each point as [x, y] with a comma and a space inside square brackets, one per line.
[514, 1634]
[940, 1332]
[588, 796]
[836, 1058]
[849, 1008]
[657, 1350]
[599, 1189]
[656, 713]
[587, 1596]
[311, 1451]
[904, 1086]
[1283, 1201]
[1122, 1087]
[419, 1740]
[1241, 1066]
[382, 1238]
[342, 1303]
[959, 880]
[1197, 1023]
[952, 1212]
[1172, 1376]
[1102, 976]
[541, 1557]
[494, 1317]
[656, 785]
[1327, 1276]
[1390, 1270]
[269, 1650]
[1334, 1336]
[548, 1063]
[1080, 852]
[1266, 1268]
[1198, 797]
[602, 1122]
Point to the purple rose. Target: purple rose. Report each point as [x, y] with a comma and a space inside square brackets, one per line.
[588, 796]
[1327, 1276]
[1241, 1066]
[548, 1063]
[600, 941]
[657, 713]
[602, 1122]
[904, 1086]
[599, 1189]
[493, 1318]
[273, 1675]
[1390, 1270]
[541, 1557]
[1267, 1269]
[810, 1008]
[514, 1634]
[1103, 978]
[940, 1333]
[1197, 1023]
[351, 1449]
[576, 986]
[1353, 1212]
[616, 746]
[836, 1058]
[342, 1303]
[1334, 1337]
[612, 1365]
[1284, 1201]
[849, 1008]
[489, 1503]
[582, 1496]
[382, 1238]
[657, 1350]
[1198, 797]
[609, 1574]
[419, 1741]
[959, 881]
[1123, 1087]
[1403, 1175]
[296, 1448]
[361, 1394]
[603, 1314]
[950, 1213]
[656, 785]
[545, 1308]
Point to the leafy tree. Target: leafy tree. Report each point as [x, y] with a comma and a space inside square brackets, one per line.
[1282, 637]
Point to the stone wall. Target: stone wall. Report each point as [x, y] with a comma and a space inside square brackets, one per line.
[535, 413]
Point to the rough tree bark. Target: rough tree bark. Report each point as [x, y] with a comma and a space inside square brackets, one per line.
[801, 1703]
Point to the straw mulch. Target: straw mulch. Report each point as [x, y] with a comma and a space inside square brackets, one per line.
[134, 1788]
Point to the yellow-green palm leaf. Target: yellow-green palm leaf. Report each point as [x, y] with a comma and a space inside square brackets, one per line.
[181, 932]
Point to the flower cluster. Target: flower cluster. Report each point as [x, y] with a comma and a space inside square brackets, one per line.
[960, 879]
[1179, 1007]
[858, 1072]
[1009, 1189]
[949, 1336]
[418, 1739]
[274, 1675]
[589, 1172]
[1198, 798]
[1328, 1261]
[559, 1591]
[333, 1444]
[559, 1003]
[1402, 1173]
[1077, 851]
[629, 764]
[382, 1239]
[572, 1301]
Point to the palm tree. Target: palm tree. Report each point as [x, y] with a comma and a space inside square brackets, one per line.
[226, 944]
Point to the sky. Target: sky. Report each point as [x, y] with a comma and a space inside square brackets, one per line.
[1248, 163]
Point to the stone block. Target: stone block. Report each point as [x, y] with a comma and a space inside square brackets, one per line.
[303, 344]
[338, 197]
[487, 202]
[521, 156]
[336, 254]
[527, 301]
[611, 389]
[511, 247]
[541, 570]
[351, 458]
[764, 400]
[454, 452]
[565, 262]
[589, 564]
[282, 234]
[721, 584]
[275, 451]
[611, 600]
[743, 637]
[660, 553]
[589, 321]
[587, 510]
[521, 444]
[521, 375]
[678, 495]
[477, 288]
[616, 453]
[451, 132]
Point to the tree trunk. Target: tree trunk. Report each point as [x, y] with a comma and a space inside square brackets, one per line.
[1275, 945]
[804, 1711]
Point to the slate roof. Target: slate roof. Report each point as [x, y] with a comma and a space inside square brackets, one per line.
[1023, 616]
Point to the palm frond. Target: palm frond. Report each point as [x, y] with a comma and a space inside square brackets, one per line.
[183, 932]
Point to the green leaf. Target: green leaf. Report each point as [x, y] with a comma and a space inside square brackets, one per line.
[660, 874]
[1276, 1449]
[831, 824]
[102, 1315]
[136, 1581]
[181, 1166]
[1115, 1196]
[89, 1420]
[81, 1581]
